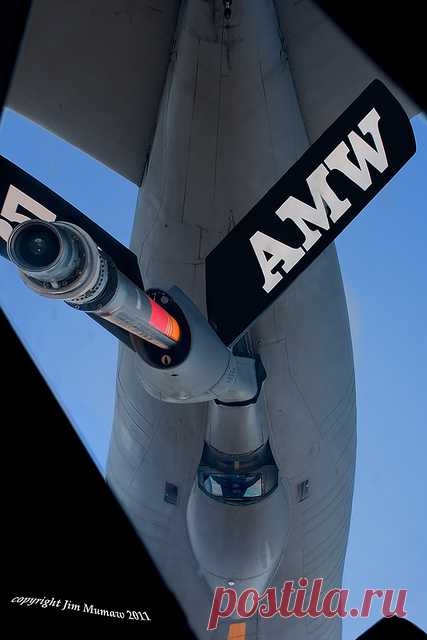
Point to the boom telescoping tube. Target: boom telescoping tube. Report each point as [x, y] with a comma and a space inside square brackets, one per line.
[60, 260]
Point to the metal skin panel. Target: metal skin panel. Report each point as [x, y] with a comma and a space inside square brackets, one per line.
[216, 531]
[93, 73]
[229, 126]
[328, 69]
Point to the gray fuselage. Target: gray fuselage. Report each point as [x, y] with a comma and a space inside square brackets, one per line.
[229, 127]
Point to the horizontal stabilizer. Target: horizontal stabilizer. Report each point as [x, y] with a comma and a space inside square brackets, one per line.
[93, 73]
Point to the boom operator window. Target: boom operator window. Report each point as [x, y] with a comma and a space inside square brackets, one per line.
[238, 478]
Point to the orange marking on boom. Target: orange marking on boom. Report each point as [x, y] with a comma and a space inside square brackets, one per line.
[163, 321]
[237, 631]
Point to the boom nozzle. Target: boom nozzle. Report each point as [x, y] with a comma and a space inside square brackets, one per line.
[36, 247]
[60, 260]
[43, 250]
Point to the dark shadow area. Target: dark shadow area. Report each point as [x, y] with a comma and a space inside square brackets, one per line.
[398, 628]
[12, 24]
[67, 537]
[392, 34]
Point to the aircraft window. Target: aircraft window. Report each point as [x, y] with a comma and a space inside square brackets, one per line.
[254, 490]
[212, 486]
[233, 486]
[241, 479]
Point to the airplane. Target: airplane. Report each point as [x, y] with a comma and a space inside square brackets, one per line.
[233, 448]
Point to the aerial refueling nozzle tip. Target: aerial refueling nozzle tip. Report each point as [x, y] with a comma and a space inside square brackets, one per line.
[34, 245]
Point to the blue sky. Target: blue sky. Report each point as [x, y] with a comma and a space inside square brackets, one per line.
[384, 266]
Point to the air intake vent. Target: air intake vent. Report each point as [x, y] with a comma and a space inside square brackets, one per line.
[303, 490]
[171, 493]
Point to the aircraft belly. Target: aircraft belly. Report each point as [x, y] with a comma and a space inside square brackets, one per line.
[312, 437]
[229, 126]
[305, 344]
